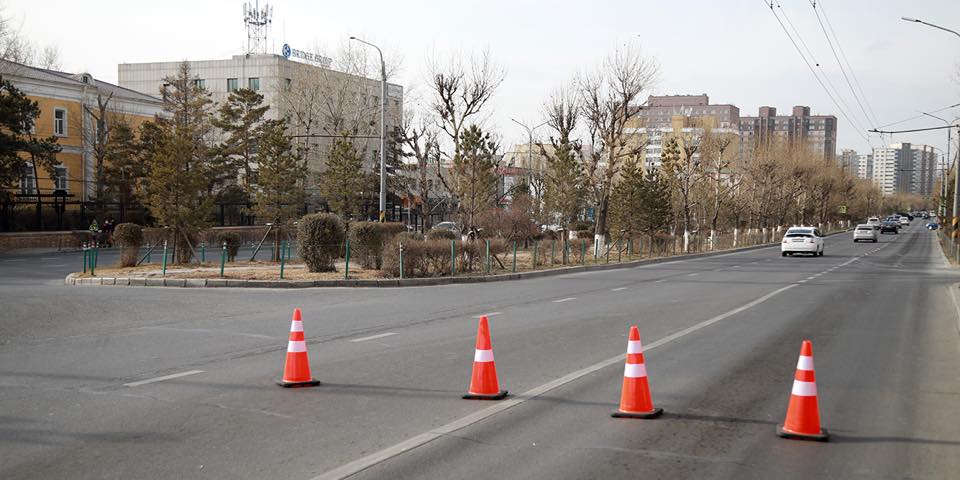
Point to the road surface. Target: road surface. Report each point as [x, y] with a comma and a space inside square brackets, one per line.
[127, 382]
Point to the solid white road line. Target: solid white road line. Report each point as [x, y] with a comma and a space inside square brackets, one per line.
[368, 461]
[372, 337]
[618, 289]
[693, 274]
[160, 379]
[491, 314]
[564, 299]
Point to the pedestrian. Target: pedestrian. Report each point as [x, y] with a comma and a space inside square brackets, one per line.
[108, 226]
[95, 231]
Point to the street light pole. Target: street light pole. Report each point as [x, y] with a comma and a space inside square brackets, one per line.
[529, 139]
[943, 186]
[956, 183]
[383, 130]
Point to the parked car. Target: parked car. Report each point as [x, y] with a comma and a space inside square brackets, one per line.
[890, 226]
[933, 226]
[452, 226]
[865, 232]
[802, 240]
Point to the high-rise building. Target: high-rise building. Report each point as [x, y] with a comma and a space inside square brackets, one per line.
[818, 132]
[905, 168]
[675, 115]
[865, 166]
[847, 161]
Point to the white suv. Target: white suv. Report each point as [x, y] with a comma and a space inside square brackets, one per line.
[802, 240]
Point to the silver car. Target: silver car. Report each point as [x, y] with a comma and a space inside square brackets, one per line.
[865, 232]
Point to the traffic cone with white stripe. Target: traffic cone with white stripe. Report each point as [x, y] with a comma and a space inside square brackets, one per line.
[296, 370]
[635, 399]
[803, 413]
[483, 382]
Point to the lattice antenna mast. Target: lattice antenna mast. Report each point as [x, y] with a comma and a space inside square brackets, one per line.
[258, 23]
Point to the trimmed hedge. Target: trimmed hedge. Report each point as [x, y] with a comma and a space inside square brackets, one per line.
[442, 234]
[130, 237]
[320, 237]
[431, 258]
[366, 243]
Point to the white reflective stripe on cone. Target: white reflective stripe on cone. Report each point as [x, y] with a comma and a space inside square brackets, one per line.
[296, 326]
[805, 363]
[804, 389]
[294, 346]
[483, 356]
[634, 346]
[634, 370]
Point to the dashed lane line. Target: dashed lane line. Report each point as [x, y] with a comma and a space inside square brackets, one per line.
[564, 299]
[373, 337]
[160, 379]
[618, 289]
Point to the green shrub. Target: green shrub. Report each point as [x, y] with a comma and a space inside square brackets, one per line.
[130, 237]
[233, 241]
[366, 243]
[442, 234]
[421, 258]
[319, 240]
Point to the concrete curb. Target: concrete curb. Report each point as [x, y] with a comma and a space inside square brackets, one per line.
[72, 279]
[953, 295]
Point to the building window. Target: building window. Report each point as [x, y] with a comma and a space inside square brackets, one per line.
[60, 122]
[60, 178]
[253, 84]
[287, 85]
[28, 182]
[232, 85]
[200, 83]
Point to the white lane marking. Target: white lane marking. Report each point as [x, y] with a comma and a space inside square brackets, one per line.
[661, 280]
[692, 274]
[564, 299]
[160, 379]
[618, 289]
[491, 314]
[368, 461]
[372, 337]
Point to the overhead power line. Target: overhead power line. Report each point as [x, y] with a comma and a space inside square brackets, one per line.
[814, 72]
[853, 73]
[915, 129]
[919, 116]
[843, 71]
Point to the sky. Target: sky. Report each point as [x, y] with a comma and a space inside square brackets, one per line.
[733, 50]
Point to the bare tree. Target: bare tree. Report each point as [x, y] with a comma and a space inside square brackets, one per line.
[564, 175]
[96, 135]
[718, 161]
[16, 47]
[419, 138]
[609, 98]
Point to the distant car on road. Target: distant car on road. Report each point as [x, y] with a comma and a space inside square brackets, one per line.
[865, 232]
[904, 221]
[802, 240]
[890, 226]
[933, 226]
[875, 221]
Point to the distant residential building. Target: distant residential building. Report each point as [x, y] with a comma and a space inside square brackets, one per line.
[847, 161]
[68, 110]
[678, 115]
[818, 132]
[865, 166]
[905, 168]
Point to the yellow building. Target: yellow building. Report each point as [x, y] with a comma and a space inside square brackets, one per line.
[69, 108]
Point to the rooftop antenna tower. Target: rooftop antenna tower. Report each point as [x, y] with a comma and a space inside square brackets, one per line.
[258, 23]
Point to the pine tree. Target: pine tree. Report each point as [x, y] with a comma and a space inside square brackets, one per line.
[179, 159]
[475, 175]
[656, 212]
[564, 182]
[18, 115]
[281, 173]
[124, 169]
[342, 183]
[241, 119]
[627, 200]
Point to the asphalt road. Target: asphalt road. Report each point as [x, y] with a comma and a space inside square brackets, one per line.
[82, 394]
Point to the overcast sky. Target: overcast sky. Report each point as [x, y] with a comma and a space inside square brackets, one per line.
[733, 50]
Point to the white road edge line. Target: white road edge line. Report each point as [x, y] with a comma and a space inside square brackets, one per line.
[160, 379]
[491, 314]
[618, 289]
[953, 295]
[368, 461]
[372, 337]
[564, 299]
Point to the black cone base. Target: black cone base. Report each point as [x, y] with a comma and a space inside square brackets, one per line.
[823, 436]
[656, 412]
[476, 396]
[309, 383]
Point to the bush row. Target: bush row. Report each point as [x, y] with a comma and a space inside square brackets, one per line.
[431, 258]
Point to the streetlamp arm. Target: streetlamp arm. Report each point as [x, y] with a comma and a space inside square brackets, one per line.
[916, 20]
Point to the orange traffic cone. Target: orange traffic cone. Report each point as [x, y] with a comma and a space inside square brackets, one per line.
[296, 371]
[803, 413]
[483, 383]
[635, 400]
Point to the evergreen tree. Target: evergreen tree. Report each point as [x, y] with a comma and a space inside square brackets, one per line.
[124, 168]
[18, 115]
[241, 119]
[281, 172]
[656, 212]
[343, 182]
[179, 159]
[564, 181]
[475, 175]
[628, 200]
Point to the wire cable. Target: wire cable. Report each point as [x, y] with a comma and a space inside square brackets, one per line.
[853, 73]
